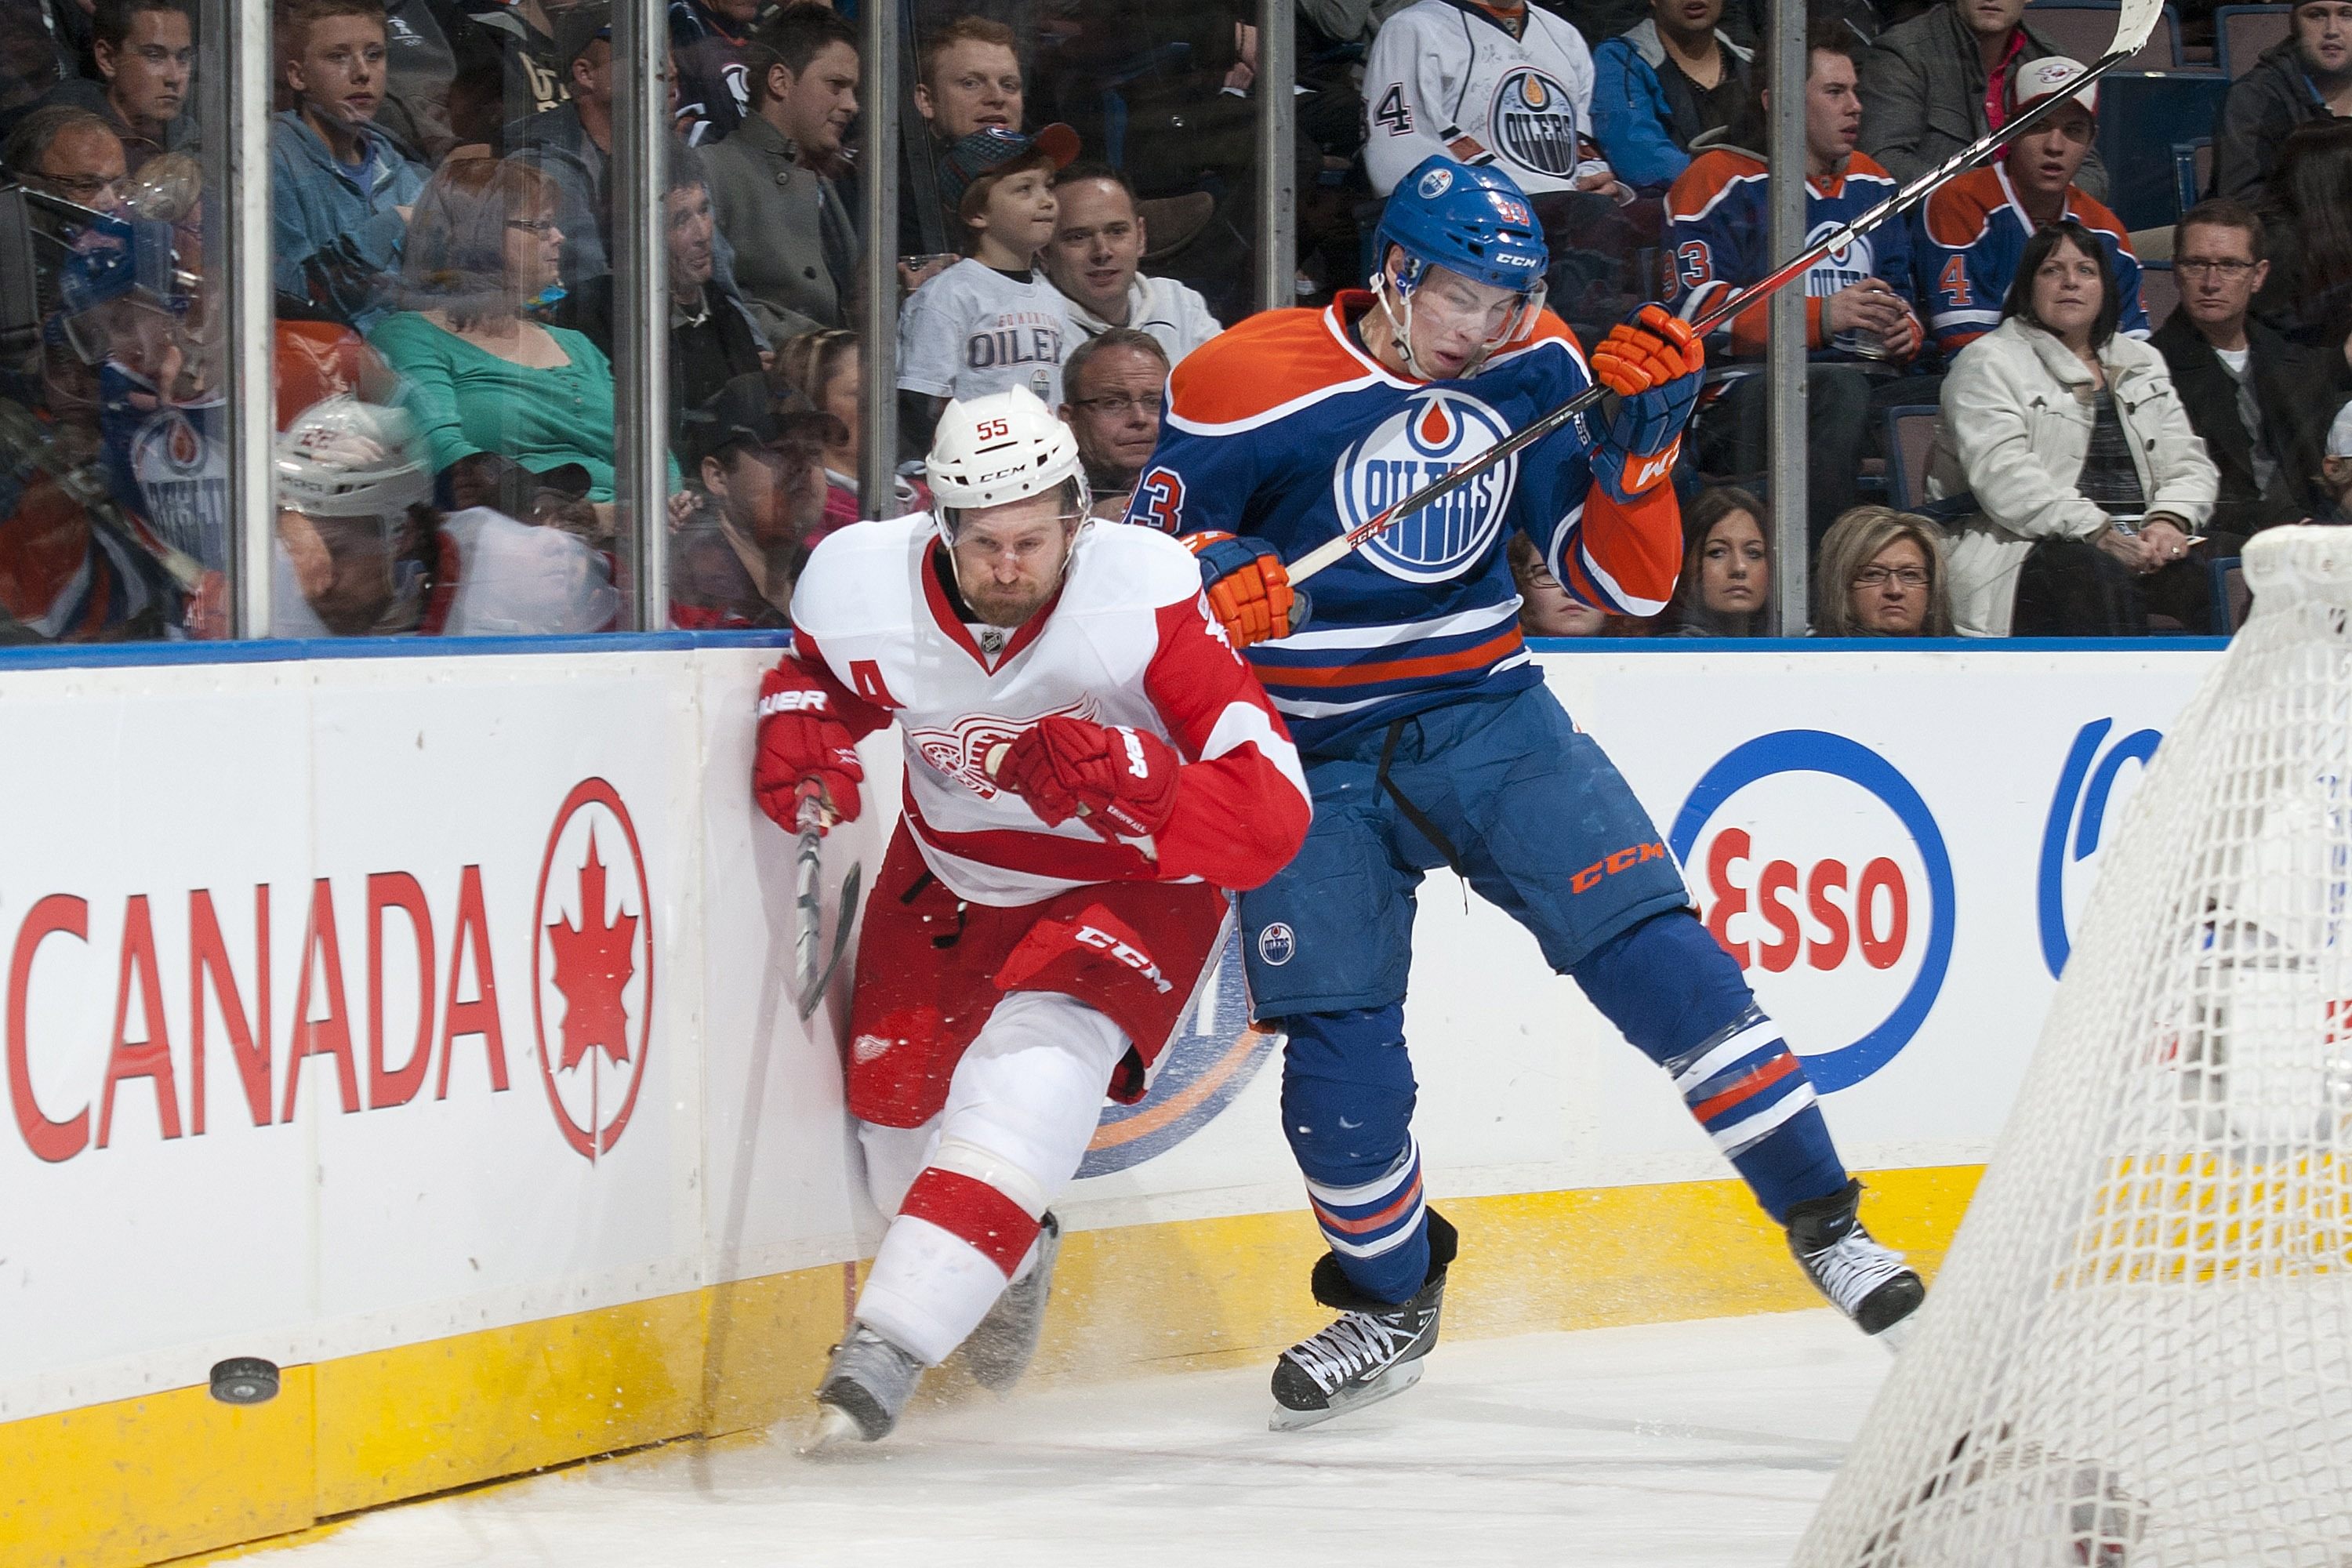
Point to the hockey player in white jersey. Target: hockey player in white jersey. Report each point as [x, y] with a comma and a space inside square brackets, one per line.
[1089, 767]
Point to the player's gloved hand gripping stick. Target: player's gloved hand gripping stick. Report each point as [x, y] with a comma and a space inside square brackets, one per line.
[2135, 20]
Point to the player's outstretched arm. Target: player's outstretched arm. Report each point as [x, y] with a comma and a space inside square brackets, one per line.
[810, 724]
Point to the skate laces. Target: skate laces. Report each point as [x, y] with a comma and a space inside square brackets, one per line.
[1849, 1268]
[1355, 1343]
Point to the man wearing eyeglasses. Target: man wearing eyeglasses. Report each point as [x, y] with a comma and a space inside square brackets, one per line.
[146, 56]
[2260, 403]
[1113, 387]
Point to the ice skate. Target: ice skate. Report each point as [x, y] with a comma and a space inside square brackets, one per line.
[1000, 1349]
[865, 1385]
[1373, 1352]
[1869, 1283]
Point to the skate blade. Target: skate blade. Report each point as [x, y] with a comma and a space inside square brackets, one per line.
[1899, 1333]
[833, 1431]
[1387, 1385]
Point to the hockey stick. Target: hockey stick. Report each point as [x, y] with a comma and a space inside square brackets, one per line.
[809, 980]
[2135, 20]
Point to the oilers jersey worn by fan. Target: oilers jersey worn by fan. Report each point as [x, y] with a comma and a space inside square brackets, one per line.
[1284, 429]
[1448, 77]
[1971, 233]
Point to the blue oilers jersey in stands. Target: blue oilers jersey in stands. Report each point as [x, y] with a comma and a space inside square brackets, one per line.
[1719, 231]
[1286, 428]
[1970, 234]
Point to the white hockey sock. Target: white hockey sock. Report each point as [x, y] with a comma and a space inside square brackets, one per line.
[929, 1288]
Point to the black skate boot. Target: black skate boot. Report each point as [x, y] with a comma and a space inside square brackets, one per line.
[1868, 1282]
[1374, 1350]
[999, 1351]
[865, 1386]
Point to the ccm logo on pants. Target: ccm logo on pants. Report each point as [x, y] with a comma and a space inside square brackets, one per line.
[1135, 958]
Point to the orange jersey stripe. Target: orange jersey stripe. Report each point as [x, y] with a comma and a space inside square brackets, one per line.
[1748, 1087]
[1372, 674]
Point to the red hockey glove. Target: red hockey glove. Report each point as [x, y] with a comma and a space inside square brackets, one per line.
[1652, 363]
[1125, 778]
[799, 739]
[1247, 586]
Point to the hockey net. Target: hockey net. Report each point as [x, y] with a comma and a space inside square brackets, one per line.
[2139, 1351]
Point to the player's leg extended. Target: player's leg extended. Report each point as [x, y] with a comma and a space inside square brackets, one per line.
[1328, 944]
[1021, 1107]
[1561, 845]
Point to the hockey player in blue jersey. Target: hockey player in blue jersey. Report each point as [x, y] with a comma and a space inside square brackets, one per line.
[1430, 739]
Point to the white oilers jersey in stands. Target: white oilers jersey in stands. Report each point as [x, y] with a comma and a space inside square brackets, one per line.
[1128, 641]
[1446, 76]
[973, 331]
[1283, 428]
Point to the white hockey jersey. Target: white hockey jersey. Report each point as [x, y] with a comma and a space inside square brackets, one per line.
[1445, 75]
[1130, 640]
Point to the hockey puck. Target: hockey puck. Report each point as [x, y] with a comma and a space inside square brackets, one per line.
[245, 1379]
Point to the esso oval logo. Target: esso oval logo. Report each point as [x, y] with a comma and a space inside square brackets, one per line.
[1819, 868]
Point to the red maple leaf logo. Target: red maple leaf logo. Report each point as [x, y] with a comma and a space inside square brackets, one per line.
[592, 966]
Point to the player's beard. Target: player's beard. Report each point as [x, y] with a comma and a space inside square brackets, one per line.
[1009, 607]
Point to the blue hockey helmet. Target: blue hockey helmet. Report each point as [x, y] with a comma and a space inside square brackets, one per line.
[1472, 220]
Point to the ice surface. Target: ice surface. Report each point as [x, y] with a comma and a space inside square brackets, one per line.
[1700, 1445]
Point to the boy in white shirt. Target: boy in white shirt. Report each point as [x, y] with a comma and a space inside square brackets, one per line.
[991, 320]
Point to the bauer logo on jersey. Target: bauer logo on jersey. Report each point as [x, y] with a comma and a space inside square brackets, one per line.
[1820, 869]
[1533, 122]
[1840, 269]
[1438, 428]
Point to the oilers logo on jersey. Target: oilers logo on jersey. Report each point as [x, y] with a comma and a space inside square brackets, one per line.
[1533, 122]
[1839, 268]
[1435, 429]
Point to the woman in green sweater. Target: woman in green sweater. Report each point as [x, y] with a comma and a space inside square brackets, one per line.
[482, 376]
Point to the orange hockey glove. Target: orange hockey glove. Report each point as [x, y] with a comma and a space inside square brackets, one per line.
[1247, 586]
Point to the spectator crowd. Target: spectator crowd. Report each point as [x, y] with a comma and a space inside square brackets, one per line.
[1077, 189]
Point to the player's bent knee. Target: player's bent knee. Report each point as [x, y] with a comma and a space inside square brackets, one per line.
[1347, 1093]
[1029, 1092]
[1666, 983]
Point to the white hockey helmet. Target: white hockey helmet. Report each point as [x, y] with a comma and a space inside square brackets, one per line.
[1001, 447]
[343, 457]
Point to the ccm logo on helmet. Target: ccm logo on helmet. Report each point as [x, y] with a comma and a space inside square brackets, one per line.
[791, 702]
[1825, 875]
[1126, 953]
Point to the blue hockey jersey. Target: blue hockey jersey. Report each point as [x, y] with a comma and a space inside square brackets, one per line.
[1971, 233]
[1286, 428]
[1719, 231]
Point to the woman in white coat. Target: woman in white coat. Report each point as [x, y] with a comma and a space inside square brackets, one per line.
[2088, 481]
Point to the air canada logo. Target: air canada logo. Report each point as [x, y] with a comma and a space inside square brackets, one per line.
[591, 967]
[1215, 1054]
[1534, 122]
[2080, 809]
[1437, 428]
[1820, 869]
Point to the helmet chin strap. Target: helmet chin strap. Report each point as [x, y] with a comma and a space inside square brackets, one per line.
[1396, 295]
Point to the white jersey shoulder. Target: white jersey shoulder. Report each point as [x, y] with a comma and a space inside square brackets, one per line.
[1444, 77]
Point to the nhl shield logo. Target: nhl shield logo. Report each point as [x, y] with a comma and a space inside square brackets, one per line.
[1437, 428]
[1534, 122]
[1277, 944]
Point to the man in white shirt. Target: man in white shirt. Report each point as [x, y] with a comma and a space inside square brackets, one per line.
[1095, 258]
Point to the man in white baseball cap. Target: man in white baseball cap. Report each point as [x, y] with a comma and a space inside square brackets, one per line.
[2335, 470]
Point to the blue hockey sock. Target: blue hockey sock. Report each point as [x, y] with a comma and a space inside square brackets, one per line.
[1678, 997]
[1347, 1107]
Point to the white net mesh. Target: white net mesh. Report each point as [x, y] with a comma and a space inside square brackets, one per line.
[2139, 1351]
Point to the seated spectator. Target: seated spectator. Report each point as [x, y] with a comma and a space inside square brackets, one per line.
[1883, 575]
[2088, 481]
[1546, 609]
[506, 66]
[572, 143]
[145, 51]
[1095, 259]
[362, 551]
[1858, 310]
[482, 376]
[1972, 230]
[990, 321]
[2308, 220]
[2256, 400]
[712, 338]
[1936, 83]
[417, 73]
[772, 180]
[339, 192]
[828, 369]
[69, 154]
[711, 41]
[2303, 78]
[1725, 588]
[761, 485]
[1115, 388]
[2335, 471]
[967, 80]
[1662, 86]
